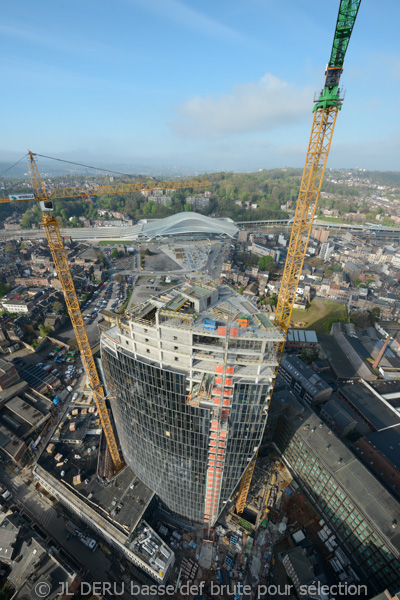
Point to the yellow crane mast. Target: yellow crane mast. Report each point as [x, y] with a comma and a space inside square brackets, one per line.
[56, 245]
[325, 113]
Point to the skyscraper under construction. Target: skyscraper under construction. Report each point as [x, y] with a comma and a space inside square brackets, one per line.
[190, 372]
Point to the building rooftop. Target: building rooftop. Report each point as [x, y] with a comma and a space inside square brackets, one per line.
[186, 223]
[122, 501]
[150, 548]
[370, 405]
[8, 537]
[25, 411]
[12, 391]
[302, 336]
[337, 359]
[36, 565]
[199, 303]
[10, 443]
[335, 410]
[5, 366]
[387, 442]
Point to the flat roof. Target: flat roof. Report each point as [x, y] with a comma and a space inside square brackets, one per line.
[25, 411]
[151, 549]
[302, 336]
[5, 365]
[226, 306]
[376, 503]
[388, 442]
[378, 412]
[9, 442]
[116, 501]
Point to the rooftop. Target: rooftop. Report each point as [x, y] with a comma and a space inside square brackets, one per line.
[377, 504]
[25, 411]
[150, 548]
[8, 537]
[337, 359]
[36, 565]
[301, 372]
[187, 223]
[203, 306]
[387, 442]
[370, 405]
[122, 501]
[5, 366]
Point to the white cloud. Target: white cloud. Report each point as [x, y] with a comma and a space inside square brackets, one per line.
[262, 106]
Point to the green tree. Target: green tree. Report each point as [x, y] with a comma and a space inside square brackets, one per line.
[266, 263]
[4, 288]
[45, 329]
[57, 306]
[115, 253]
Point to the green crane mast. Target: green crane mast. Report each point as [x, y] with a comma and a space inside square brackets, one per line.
[330, 95]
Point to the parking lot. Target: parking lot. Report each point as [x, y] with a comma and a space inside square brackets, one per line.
[53, 370]
[111, 296]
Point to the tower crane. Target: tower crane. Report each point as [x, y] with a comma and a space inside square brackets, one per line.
[56, 245]
[326, 109]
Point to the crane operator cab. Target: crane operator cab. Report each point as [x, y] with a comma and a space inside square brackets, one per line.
[46, 205]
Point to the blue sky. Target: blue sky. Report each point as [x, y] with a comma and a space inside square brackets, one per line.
[210, 85]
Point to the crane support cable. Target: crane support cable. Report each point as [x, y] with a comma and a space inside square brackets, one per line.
[14, 165]
[119, 188]
[70, 162]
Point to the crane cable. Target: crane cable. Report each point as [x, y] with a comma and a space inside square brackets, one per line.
[82, 165]
[12, 166]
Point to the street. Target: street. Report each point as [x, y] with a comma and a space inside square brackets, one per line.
[48, 521]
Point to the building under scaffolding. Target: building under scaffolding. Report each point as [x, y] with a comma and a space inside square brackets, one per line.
[191, 371]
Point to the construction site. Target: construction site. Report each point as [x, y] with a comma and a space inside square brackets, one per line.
[168, 460]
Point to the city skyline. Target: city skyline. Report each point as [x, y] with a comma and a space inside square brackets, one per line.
[210, 87]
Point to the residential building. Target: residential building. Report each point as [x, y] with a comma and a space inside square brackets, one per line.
[8, 374]
[326, 250]
[307, 384]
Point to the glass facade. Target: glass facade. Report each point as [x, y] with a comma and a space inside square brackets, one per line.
[166, 441]
[363, 542]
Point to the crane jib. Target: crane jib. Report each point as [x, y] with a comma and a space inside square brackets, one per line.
[344, 27]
